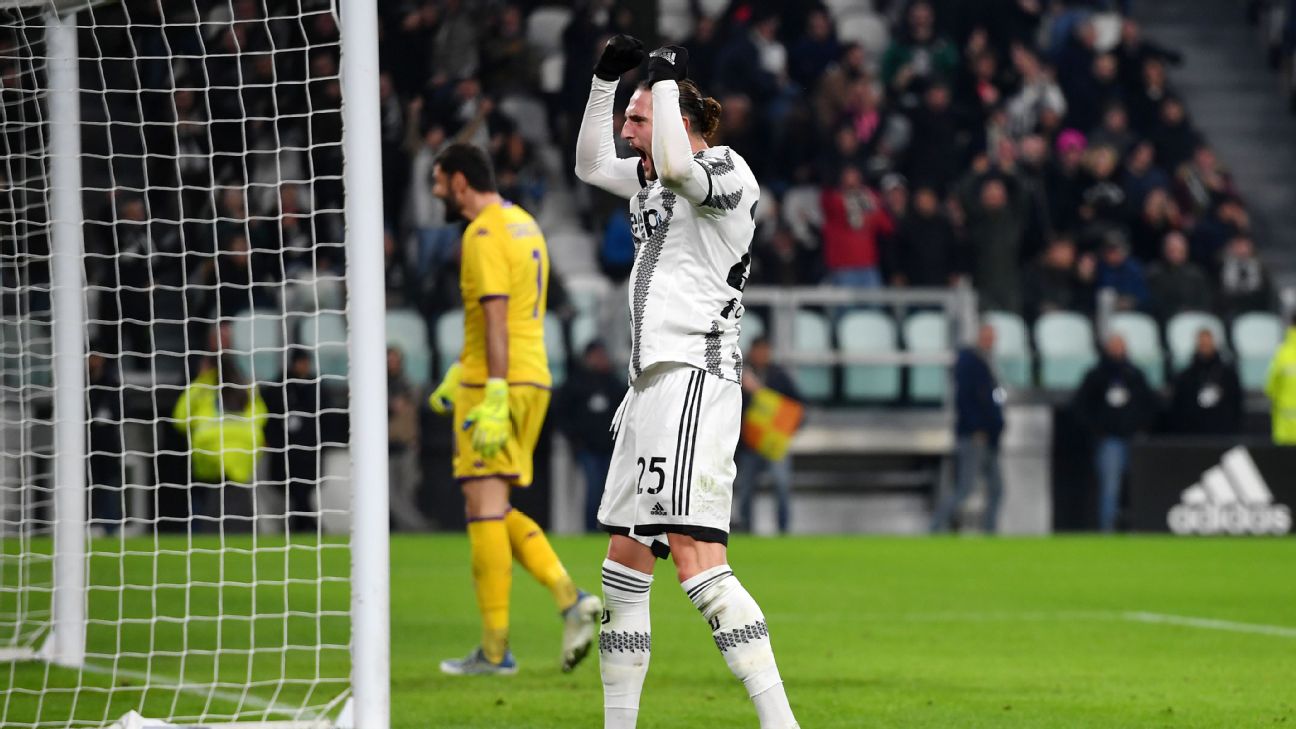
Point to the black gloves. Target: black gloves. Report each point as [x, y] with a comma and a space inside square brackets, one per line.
[622, 53]
[668, 63]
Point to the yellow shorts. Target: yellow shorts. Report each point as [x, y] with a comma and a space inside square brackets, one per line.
[527, 407]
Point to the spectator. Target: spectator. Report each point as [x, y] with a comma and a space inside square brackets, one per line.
[1175, 136]
[1281, 389]
[106, 444]
[1159, 217]
[1142, 175]
[854, 221]
[1202, 181]
[1244, 282]
[813, 53]
[223, 417]
[981, 87]
[1057, 281]
[1145, 102]
[454, 41]
[1102, 200]
[753, 63]
[401, 290]
[1207, 395]
[1121, 273]
[508, 63]
[979, 423]
[1065, 182]
[917, 54]
[403, 472]
[783, 260]
[1115, 403]
[1039, 93]
[760, 372]
[925, 250]
[996, 225]
[583, 410]
[1176, 283]
[935, 161]
[295, 437]
[1213, 232]
[1114, 130]
[830, 96]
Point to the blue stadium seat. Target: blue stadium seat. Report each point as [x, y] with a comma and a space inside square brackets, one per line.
[449, 340]
[927, 332]
[1012, 352]
[407, 332]
[869, 331]
[258, 344]
[1256, 336]
[1181, 335]
[1143, 342]
[1065, 342]
[813, 335]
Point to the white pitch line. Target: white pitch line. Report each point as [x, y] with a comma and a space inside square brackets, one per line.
[154, 680]
[1280, 631]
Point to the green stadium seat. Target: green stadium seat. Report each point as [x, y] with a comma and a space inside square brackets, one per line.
[927, 332]
[407, 332]
[1012, 352]
[257, 337]
[1181, 335]
[867, 331]
[1256, 336]
[1143, 342]
[751, 328]
[812, 334]
[326, 333]
[1065, 342]
[584, 329]
[449, 336]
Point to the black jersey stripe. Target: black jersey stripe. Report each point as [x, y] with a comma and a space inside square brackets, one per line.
[697, 419]
[681, 439]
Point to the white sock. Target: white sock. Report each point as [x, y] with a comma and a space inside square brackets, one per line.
[625, 643]
[743, 639]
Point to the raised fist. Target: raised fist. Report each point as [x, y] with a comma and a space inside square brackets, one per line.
[622, 53]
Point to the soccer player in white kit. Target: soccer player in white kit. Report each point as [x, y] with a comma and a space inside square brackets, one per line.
[669, 489]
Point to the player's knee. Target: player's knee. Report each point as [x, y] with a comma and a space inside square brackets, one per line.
[632, 554]
[693, 557]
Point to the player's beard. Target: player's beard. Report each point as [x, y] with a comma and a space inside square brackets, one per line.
[453, 213]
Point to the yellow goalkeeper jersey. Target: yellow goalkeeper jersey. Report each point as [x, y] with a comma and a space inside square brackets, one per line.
[504, 255]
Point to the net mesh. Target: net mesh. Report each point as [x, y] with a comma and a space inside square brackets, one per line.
[218, 566]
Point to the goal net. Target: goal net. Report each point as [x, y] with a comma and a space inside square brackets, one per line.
[178, 542]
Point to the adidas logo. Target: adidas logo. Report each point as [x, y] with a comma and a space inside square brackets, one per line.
[657, 510]
[1231, 498]
[666, 53]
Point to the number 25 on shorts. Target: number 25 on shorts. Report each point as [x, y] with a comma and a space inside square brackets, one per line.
[652, 465]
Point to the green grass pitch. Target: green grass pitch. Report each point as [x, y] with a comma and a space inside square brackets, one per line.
[875, 632]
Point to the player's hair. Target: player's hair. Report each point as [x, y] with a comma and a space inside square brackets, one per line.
[702, 111]
[472, 162]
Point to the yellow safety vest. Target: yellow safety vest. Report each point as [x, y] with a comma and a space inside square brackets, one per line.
[224, 445]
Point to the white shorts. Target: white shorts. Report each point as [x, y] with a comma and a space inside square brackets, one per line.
[673, 463]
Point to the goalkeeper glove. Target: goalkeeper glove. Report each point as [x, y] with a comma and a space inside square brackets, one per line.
[668, 63]
[442, 398]
[622, 53]
[490, 420]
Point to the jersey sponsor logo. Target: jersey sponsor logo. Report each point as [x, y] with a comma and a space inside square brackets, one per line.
[482, 231]
[1231, 498]
[643, 223]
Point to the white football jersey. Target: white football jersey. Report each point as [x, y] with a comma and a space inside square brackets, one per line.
[690, 267]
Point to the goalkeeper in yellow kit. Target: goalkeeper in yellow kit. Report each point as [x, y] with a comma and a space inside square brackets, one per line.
[499, 391]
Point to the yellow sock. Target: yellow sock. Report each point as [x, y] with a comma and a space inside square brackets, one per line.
[532, 549]
[492, 569]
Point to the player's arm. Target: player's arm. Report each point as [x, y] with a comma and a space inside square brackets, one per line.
[714, 188]
[495, 310]
[596, 160]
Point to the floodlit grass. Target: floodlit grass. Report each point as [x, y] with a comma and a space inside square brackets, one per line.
[869, 632]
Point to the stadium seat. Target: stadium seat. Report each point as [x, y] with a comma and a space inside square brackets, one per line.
[530, 116]
[1065, 343]
[843, 8]
[1181, 335]
[258, 342]
[1256, 336]
[713, 8]
[555, 348]
[866, 29]
[588, 294]
[1143, 341]
[326, 333]
[584, 329]
[545, 26]
[927, 332]
[551, 73]
[802, 211]
[449, 336]
[407, 332]
[863, 332]
[674, 26]
[1012, 353]
[26, 353]
[812, 334]
[751, 328]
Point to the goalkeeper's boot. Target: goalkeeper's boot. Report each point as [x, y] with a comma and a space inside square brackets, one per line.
[580, 625]
[476, 664]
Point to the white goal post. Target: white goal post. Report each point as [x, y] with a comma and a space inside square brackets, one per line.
[193, 426]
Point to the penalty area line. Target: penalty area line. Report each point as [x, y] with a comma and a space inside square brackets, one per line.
[1230, 626]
